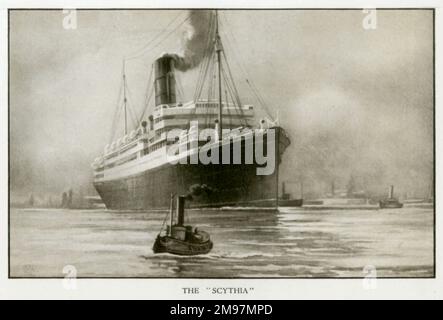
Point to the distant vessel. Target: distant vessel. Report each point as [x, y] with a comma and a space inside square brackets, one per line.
[390, 202]
[343, 198]
[181, 239]
[287, 201]
[134, 171]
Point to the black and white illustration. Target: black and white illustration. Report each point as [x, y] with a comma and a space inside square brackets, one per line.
[224, 143]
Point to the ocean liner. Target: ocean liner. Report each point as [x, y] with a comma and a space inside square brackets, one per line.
[141, 169]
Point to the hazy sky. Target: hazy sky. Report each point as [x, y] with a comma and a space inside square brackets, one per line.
[354, 101]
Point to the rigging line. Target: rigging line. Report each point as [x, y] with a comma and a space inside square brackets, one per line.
[125, 100]
[169, 34]
[178, 84]
[207, 53]
[227, 104]
[141, 62]
[257, 95]
[209, 50]
[209, 69]
[233, 45]
[231, 77]
[242, 68]
[172, 31]
[208, 66]
[210, 92]
[233, 99]
[200, 73]
[147, 103]
[234, 88]
[254, 91]
[202, 76]
[209, 40]
[131, 112]
[148, 95]
[114, 124]
[237, 63]
[230, 119]
[239, 109]
[129, 102]
[201, 81]
[211, 87]
[250, 94]
[210, 76]
[149, 85]
[164, 221]
[114, 131]
[180, 91]
[117, 109]
[134, 125]
[208, 58]
[259, 98]
[114, 120]
[229, 86]
[228, 68]
[145, 48]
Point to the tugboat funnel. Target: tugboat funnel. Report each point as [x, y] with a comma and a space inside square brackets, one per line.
[391, 192]
[181, 210]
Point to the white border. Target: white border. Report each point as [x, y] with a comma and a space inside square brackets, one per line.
[171, 288]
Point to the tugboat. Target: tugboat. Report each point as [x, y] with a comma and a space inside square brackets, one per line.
[181, 239]
[390, 202]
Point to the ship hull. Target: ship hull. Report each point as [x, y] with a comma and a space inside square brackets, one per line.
[213, 185]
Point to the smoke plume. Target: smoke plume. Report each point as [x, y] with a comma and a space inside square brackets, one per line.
[195, 40]
[197, 190]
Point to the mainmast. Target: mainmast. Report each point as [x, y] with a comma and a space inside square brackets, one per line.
[218, 49]
[124, 97]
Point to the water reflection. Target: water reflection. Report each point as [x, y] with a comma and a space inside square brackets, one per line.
[293, 243]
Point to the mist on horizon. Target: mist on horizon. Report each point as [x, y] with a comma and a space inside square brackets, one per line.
[356, 103]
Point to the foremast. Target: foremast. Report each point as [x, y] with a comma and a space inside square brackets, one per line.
[218, 49]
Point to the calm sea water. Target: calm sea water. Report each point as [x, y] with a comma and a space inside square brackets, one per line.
[289, 243]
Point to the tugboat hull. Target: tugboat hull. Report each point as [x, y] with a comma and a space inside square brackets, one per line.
[390, 204]
[167, 244]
